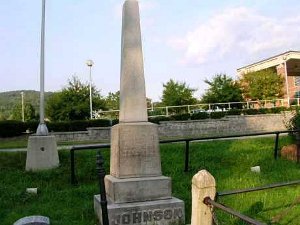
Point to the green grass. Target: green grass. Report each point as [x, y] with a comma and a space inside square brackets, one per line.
[228, 161]
[21, 142]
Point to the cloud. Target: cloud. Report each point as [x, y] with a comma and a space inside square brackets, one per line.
[235, 32]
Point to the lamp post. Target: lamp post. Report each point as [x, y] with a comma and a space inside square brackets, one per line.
[23, 115]
[90, 63]
[42, 128]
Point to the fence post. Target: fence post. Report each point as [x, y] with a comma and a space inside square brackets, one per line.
[203, 185]
[73, 176]
[187, 156]
[276, 146]
[298, 146]
[101, 174]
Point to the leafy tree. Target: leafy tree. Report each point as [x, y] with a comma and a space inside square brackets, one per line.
[112, 101]
[29, 112]
[222, 89]
[262, 85]
[177, 93]
[72, 103]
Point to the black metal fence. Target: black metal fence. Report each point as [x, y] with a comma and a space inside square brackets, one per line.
[207, 200]
[187, 147]
[210, 202]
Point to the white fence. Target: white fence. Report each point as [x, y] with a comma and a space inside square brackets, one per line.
[154, 111]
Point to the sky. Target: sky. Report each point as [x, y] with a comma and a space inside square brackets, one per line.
[187, 41]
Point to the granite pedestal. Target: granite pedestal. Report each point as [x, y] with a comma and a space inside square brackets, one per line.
[41, 153]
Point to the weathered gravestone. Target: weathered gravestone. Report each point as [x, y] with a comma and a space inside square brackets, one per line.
[33, 220]
[136, 190]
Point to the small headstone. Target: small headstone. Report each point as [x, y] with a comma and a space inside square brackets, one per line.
[255, 169]
[33, 220]
[31, 190]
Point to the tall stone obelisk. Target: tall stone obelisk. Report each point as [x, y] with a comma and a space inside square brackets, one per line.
[136, 190]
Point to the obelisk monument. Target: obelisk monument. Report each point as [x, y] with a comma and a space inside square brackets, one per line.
[136, 190]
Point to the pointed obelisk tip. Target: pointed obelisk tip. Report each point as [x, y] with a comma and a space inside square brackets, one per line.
[133, 105]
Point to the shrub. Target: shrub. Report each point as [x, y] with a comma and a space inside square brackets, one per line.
[263, 111]
[217, 115]
[181, 117]
[31, 125]
[250, 111]
[77, 125]
[200, 116]
[234, 112]
[294, 122]
[100, 123]
[158, 119]
[11, 128]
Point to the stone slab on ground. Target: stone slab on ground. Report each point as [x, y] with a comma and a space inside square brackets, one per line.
[138, 189]
[41, 153]
[160, 212]
[33, 220]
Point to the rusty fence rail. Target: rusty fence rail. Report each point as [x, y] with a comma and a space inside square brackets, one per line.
[186, 150]
[210, 202]
[270, 186]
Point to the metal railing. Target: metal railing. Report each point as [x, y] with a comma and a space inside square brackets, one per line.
[210, 202]
[186, 149]
[82, 148]
[169, 110]
[247, 190]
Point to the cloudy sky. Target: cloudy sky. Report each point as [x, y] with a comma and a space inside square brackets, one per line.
[187, 40]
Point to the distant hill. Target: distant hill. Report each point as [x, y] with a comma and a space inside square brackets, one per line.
[10, 98]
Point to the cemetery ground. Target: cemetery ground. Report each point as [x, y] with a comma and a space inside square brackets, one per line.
[229, 161]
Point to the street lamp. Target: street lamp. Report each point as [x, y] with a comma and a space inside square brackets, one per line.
[42, 128]
[23, 115]
[90, 63]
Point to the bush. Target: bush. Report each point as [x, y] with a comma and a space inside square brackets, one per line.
[158, 119]
[181, 117]
[217, 115]
[234, 112]
[200, 116]
[31, 125]
[100, 123]
[250, 111]
[294, 122]
[77, 125]
[11, 128]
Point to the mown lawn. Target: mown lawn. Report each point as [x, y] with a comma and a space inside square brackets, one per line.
[228, 161]
[22, 141]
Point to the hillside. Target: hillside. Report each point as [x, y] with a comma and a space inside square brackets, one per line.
[11, 98]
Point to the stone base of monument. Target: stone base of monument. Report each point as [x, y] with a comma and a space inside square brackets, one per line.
[159, 212]
[137, 189]
[41, 153]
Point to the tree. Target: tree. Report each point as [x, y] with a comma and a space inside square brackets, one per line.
[177, 93]
[72, 103]
[29, 112]
[112, 101]
[262, 85]
[222, 89]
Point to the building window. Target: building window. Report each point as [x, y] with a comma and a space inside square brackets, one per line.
[297, 94]
[297, 81]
